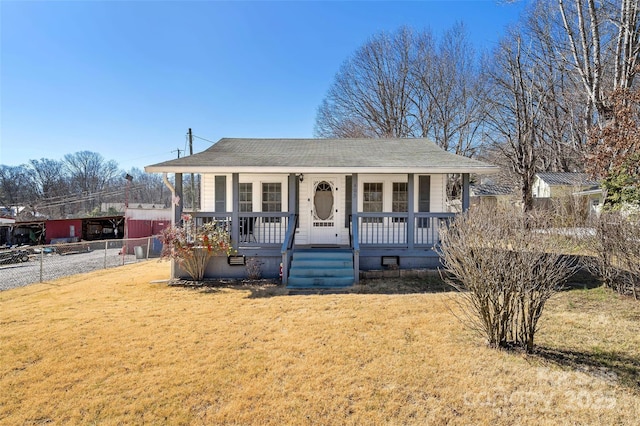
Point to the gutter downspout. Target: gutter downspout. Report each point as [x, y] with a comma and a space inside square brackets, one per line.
[165, 179]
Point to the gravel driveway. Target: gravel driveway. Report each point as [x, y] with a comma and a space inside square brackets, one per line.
[54, 266]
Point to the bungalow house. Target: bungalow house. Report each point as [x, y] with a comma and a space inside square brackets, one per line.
[493, 194]
[323, 209]
[563, 186]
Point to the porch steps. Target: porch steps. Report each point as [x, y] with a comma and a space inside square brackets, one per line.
[321, 269]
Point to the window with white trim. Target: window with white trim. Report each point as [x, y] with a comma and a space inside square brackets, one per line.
[372, 200]
[271, 199]
[246, 197]
[400, 200]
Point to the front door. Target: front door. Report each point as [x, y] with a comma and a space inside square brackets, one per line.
[323, 210]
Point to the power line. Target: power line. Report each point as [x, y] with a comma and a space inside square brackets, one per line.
[66, 199]
[198, 137]
[84, 198]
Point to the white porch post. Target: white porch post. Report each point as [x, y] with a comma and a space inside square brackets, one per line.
[465, 192]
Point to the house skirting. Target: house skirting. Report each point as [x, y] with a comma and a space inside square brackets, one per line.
[270, 259]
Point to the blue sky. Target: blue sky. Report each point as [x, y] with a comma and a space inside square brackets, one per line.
[127, 79]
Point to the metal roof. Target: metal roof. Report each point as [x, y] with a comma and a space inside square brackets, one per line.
[567, 179]
[323, 155]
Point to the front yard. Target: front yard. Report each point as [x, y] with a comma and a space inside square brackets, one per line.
[112, 347]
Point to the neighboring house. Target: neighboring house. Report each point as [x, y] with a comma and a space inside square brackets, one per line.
[557, 185]
[562, 186]
[324, 208]
[493, 194]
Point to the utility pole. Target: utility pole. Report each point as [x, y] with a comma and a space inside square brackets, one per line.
[193, 190]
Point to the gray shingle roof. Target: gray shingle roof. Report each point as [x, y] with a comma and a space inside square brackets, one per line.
[567, 178]
[491, 189]
[323, 155]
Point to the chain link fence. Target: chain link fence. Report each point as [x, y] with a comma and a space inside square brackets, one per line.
[26, 265]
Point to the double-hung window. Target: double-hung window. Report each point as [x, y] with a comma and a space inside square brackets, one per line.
[245, 192]
[246, 197]
[424, 200]
[400, 200]
[372, 200]
[271, 200]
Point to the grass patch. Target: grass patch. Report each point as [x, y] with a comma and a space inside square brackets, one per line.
[110, 347]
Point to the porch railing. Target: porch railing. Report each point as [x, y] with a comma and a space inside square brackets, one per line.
[393, 230]
[254, 229]
[287, 247]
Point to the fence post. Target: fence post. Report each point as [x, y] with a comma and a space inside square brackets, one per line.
[106, 244]
[41, 261]
[148, 246]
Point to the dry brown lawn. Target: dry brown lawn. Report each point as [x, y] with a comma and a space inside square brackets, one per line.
[112, 347]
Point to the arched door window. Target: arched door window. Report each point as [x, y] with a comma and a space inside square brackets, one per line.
[323, 201]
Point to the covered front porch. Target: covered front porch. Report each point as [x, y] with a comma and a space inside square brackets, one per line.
[324, 213]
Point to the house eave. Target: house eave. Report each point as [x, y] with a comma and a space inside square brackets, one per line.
[320, 170]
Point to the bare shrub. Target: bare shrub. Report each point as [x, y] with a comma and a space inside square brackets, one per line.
[192, 247]
[507, 265]
[616, 246]
[254, 268]
[571, 210]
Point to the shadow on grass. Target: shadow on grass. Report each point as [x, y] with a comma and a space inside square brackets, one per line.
[403, 285]
[430, 282]
[582, 279]
[257, 288]
[610, 366]
[272, 288]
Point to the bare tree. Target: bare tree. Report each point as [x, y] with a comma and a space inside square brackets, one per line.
[52, 184]
[407, 84]
[370, 94]
[89, 174]
[515, 100]
[446, 91]
[563, 124]
[148, 188]
[16, 188]
[601, 43]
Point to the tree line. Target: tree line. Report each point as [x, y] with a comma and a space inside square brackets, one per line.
[557, 93]
[76, 185]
